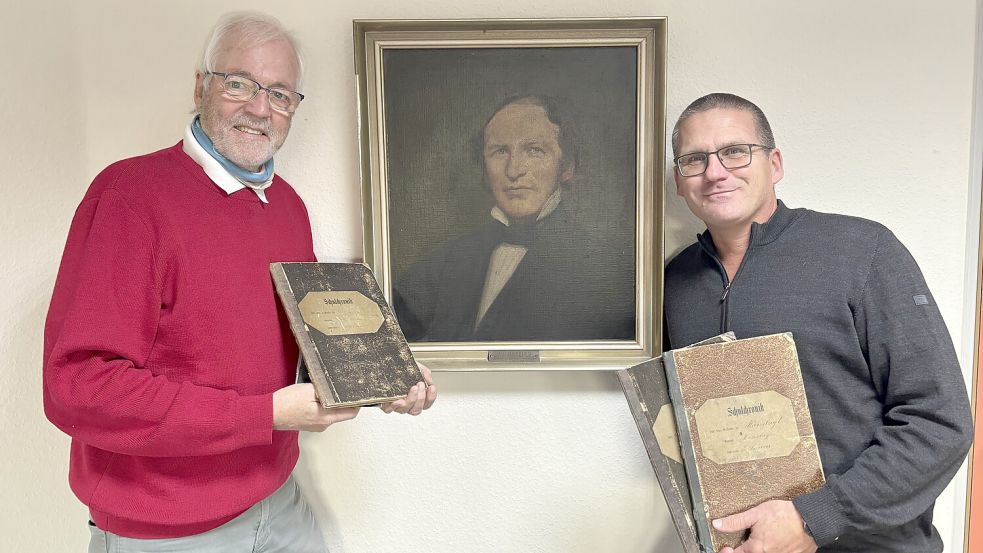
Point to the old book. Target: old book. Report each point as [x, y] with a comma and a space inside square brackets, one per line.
[647, 393]
[349, 339]
[744, 426]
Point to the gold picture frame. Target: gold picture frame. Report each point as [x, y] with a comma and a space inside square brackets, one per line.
[586, 291]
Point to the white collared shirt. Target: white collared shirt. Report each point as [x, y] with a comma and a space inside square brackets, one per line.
[505, 258]
[213, 168]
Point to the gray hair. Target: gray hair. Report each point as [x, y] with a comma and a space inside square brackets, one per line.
[724, 100]
[250, 29]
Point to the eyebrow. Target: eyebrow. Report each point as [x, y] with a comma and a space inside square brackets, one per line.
[241, 73]
[726, 145]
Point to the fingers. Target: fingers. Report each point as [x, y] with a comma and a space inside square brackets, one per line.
[425, 371]
[419, 398]
[431, 396]
[736, 522]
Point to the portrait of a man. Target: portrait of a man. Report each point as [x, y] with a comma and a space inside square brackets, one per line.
[509, 186]
[533, 270]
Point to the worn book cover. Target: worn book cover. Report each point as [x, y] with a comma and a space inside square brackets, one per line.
[647, 393]
[349, 339]
[744, 426]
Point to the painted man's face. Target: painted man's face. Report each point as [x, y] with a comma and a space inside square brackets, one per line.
[522, 159]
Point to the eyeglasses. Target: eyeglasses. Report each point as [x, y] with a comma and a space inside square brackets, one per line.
[244, 89]
[734, 156]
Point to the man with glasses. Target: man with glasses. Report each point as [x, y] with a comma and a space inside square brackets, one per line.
[167, 358]
[887, 397]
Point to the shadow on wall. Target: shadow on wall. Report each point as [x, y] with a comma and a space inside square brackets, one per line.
[681, 226]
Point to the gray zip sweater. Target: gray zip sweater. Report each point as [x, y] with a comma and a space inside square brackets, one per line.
[888, 401]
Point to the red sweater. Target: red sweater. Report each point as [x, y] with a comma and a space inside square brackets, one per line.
[164, 344]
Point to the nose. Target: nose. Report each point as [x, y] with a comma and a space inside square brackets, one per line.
[715, 170]
[516, 167]
[259, 106]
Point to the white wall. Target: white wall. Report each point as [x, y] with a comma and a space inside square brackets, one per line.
[871, 103]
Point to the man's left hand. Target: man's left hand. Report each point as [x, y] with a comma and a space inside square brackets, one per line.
[776, 527]
[420, 397]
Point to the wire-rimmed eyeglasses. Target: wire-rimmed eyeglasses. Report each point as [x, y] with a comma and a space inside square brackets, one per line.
[734, 156]
[245, 89]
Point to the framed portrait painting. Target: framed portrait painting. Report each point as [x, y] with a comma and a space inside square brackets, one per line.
[512, 175]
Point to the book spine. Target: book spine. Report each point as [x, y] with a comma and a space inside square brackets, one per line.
[689, 454]
[326, 393]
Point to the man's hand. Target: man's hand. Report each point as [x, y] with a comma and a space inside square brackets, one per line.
[296, 408]
[776, 527]
[420, 397]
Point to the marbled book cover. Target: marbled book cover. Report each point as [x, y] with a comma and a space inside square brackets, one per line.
[349, 339]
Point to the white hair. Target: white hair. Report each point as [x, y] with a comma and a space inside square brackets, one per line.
[249, 29]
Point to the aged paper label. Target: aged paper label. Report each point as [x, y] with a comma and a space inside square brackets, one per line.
[665, 433]
[338, 313]
[747, 427]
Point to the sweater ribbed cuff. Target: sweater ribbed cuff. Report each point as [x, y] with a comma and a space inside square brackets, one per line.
[822, 514]
[254, 420]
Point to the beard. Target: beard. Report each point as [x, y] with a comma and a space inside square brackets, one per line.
[245, 150]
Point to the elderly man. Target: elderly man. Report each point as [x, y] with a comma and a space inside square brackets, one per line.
[534, 272]
[166, 357]
[888, 401]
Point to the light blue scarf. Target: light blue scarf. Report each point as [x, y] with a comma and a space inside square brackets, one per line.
[256, 181]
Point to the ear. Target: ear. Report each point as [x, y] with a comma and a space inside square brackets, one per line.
[676, 177]
[567, 174]
[777, 166]
[199, 89]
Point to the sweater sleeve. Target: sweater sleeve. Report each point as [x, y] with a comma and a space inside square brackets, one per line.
[99, 334]
[927, 424]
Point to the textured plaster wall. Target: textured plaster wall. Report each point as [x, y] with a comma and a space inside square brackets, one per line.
[871, 103]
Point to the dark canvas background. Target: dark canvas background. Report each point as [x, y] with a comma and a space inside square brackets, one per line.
[436, 104]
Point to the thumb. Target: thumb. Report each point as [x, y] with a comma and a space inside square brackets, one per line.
[736, 522]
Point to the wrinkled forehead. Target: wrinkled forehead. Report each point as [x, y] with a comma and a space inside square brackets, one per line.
[715, 128]
[520, 121]
[273, 60]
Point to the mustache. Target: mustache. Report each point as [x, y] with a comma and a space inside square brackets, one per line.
[243, 120]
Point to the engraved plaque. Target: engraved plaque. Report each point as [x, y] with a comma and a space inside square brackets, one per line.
[513, 356]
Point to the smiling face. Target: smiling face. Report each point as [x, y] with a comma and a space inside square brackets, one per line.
[522, 158]
[727, 199]
[247, 133]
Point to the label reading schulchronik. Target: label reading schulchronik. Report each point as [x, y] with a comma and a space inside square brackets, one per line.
[747, 427]
[342, 312]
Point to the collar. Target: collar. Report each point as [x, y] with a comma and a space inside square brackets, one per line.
[548, 207]
[761, 233]
[222, 178]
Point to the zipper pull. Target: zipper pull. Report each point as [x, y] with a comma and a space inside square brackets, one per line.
[723, 297]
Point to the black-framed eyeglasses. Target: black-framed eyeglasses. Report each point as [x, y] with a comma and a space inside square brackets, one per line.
[734, 156]
[245, 89]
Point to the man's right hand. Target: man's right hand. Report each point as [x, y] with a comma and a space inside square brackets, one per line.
[296, 408]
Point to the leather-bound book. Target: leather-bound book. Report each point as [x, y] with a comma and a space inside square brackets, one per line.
[349, 340]
[647, 393]
[744, 426]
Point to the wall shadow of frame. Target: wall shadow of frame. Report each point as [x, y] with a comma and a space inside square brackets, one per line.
[566, 271]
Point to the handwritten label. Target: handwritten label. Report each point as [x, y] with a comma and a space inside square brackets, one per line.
[747, 427]
[665, 433]
[339, 313]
